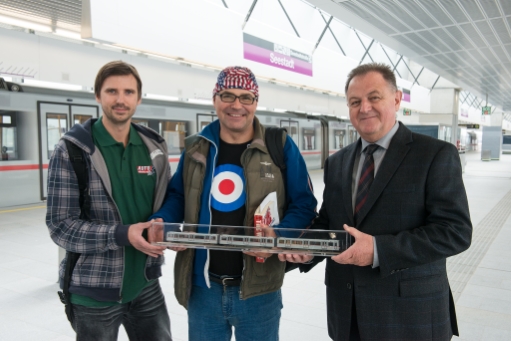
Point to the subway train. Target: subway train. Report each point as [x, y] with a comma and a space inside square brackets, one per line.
[32, 120]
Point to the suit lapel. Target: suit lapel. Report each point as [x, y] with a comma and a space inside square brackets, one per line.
[348, 162]
[395, 154]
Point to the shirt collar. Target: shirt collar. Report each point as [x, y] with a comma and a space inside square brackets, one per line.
[104, 138]
[384, 142]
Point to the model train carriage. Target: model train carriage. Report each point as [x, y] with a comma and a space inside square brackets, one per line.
[247, 241]
[185, 237]
[308, 244]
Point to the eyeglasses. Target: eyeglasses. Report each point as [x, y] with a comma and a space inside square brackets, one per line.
[227, 97]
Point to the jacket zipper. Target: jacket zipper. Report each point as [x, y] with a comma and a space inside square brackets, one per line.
[244, 222]
[206, 266]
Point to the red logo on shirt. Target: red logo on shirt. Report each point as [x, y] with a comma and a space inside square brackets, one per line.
[145, 170]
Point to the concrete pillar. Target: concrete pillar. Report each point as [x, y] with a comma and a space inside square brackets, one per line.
[444, 110]
[455, 109]
[496, 118]
[491, 146]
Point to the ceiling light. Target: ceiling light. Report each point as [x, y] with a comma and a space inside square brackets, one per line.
[161, 97]
[52, 85]
[68, 34]
[200, 101]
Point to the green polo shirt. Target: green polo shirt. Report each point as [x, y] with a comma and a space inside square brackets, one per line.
[133, 183]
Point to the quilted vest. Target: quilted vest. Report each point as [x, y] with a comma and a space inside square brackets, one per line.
[258, 278]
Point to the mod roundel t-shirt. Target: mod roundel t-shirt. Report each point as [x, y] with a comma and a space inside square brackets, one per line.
[228, 205]
[228, 188]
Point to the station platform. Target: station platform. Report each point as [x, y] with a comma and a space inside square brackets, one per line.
[480, 278]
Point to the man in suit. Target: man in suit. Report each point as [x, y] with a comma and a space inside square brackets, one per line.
[400, 195]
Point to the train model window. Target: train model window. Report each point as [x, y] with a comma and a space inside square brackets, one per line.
[56, 125]
[8, 144]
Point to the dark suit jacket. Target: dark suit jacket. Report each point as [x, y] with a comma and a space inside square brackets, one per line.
[417, 210]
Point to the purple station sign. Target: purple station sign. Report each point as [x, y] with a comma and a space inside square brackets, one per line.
[406, 95]
[279, 56]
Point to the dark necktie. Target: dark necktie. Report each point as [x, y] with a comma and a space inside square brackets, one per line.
[366, 179]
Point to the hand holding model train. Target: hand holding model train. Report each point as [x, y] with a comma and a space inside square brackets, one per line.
[173, 248]
[138, 241]
[360, 253]
[265, 232]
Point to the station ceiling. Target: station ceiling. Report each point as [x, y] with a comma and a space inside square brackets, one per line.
[467, 42]
[65, 14]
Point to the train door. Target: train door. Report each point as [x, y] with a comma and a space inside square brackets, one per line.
[292, 129]
[54, 120]
[203, 120]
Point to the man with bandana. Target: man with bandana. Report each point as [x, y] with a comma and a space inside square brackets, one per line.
[219, 182]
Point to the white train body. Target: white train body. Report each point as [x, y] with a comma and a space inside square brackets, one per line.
[253, 241]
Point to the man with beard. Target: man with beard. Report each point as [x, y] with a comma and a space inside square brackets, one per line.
[115, 280]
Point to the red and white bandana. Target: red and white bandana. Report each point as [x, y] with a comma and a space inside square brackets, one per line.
[236, 77]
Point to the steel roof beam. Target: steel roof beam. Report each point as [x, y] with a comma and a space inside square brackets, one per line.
[333, 35]
[249, 13]
[288, 18]
[322, 34]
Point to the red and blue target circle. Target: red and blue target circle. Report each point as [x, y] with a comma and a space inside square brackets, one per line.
[228, 188]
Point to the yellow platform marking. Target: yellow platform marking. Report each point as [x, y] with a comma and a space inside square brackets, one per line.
[22, 209]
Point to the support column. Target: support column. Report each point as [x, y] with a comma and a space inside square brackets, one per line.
[455, 110]
[492, 137]
[444, 112]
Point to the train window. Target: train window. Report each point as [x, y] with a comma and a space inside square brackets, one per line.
[8, 139]
[144, 123]
[309, 139]
[80, 119]
[352, 135]
[204, 119]
[339, 138]
[56, 125]
[174, 134]
[292, 129]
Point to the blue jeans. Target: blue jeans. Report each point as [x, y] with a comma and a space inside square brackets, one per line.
[213, 312]
[145, 318]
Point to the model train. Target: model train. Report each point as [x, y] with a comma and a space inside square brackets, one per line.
[33, 121]
[252, 241]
